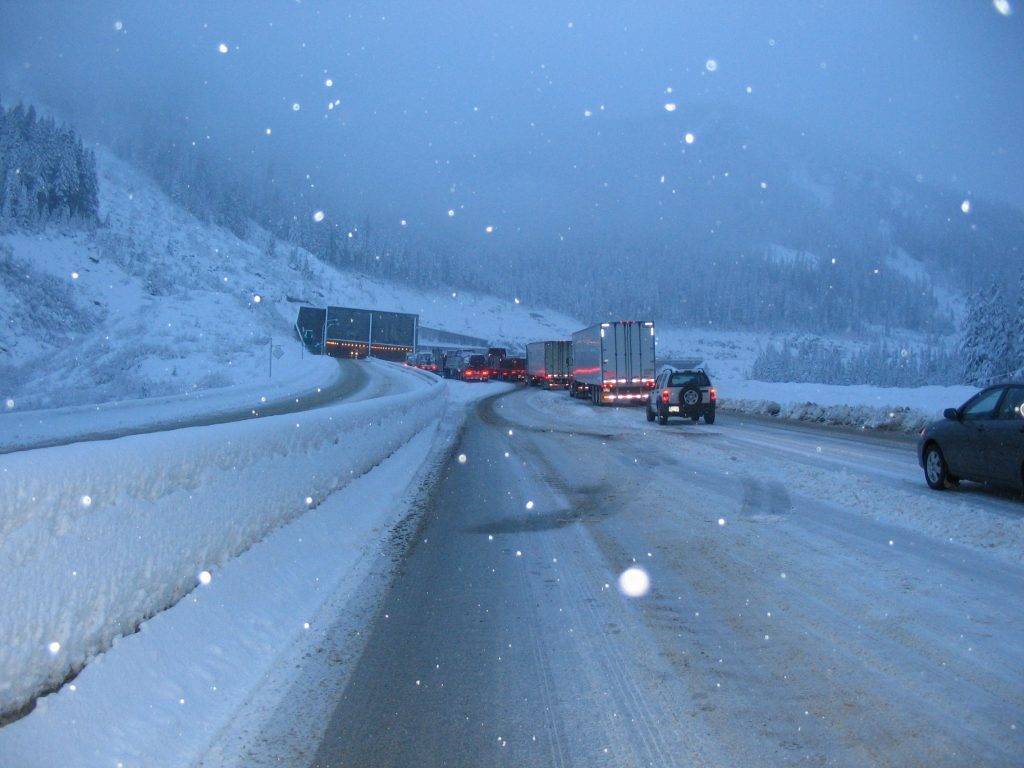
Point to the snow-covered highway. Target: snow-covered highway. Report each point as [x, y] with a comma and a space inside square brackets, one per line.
[803, 608]
[329, 382]
[796, 595]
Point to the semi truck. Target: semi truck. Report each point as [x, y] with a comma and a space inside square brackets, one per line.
[494, 357]
[613, 362]
[549, 363]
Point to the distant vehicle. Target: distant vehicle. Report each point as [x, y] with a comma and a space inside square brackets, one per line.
[351, 332]
[549, 363]
[452, 363]
[494, 357]
[613, 362]
[982, 440]
[425, 361]
[686, 394]
[475, 368]
[513, 369]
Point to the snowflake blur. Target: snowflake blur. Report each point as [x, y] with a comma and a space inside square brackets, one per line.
[634, 582]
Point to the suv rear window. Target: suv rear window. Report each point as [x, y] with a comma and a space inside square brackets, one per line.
[477, 361]
[682, 378]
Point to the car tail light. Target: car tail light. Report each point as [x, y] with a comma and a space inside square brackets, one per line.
[714, 395]
[665, 395]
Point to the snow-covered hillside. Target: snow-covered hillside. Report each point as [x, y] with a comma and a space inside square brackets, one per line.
[156, 302]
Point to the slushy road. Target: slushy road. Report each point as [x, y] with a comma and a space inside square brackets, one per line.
[784, 623]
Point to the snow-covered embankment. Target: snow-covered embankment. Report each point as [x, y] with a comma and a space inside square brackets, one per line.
[97, 537]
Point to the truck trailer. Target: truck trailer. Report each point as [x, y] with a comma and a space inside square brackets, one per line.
[549, 363]
[351, 332]
[613, 362]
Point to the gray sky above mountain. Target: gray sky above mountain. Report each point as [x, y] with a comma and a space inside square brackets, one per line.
[415, 108]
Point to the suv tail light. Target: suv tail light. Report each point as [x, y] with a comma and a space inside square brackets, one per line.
[714, 395]
[665, 395]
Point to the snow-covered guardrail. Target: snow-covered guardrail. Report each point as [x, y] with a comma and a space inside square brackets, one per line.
[96, 537]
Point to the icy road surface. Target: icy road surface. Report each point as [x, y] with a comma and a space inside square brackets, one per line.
[810, 603]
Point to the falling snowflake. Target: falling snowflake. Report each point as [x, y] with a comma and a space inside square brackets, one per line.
[749, 89]
[529, 505]
[268, 131]
[1003, 6]
[223, 48]
[587, 113]
[256, 298]
[689, 138]
[318, 216]
[710, 65]
[462, 458]
[119, 25]
[9, 403]
[328, 82]
[489, 229]
[54, 648]
[451, 212]
[670, 106]
[74, 275]
[721, 521]
[86, 501]
[309, 500]
[295, 106]
[965, 206]
[634, 582]
[205, 577]
[404, 223]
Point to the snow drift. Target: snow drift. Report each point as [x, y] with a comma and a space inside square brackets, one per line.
[96, 537]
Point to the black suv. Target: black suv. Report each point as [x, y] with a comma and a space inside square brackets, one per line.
[982, 440]
[688, 394]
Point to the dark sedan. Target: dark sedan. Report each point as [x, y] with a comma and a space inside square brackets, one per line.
[982, 440]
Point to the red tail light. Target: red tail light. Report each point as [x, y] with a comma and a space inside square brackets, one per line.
[665, 395]
[714, 395]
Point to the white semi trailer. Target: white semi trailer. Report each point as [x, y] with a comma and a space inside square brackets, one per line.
[613, 362]
[549, 363]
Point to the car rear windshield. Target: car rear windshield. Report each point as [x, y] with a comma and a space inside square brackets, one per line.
[477, 361]
[682, 378]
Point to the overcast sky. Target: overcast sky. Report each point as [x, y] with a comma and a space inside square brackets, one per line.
[427, 91]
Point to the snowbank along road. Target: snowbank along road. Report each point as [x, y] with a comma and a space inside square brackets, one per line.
[587, 589]
[97, 537]
[338, 380]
